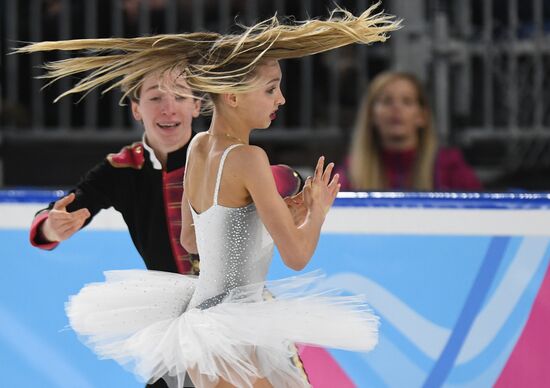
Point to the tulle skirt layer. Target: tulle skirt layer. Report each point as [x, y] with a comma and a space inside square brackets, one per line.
[141, 319]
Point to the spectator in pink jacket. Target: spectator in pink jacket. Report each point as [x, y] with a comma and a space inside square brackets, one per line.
[394, 145]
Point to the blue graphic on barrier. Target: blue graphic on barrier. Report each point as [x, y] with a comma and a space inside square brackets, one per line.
[473, 304]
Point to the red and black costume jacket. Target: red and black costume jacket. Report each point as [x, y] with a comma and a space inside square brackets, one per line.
[149, 199]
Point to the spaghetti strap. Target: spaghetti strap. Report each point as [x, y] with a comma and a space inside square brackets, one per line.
[220, 169]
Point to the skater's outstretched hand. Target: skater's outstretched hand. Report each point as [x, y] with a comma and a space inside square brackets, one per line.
[61, 224]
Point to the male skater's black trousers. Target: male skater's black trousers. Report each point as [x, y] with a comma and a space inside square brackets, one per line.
[162, 384]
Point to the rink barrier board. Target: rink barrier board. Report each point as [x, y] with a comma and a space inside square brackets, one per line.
[459, 280]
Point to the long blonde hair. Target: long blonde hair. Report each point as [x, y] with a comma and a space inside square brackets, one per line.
[365, 169]
[210, 62]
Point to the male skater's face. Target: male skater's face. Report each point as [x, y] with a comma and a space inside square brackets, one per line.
[166, 117]
[259, 106]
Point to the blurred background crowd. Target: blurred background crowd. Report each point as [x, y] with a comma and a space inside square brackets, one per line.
[458, 99]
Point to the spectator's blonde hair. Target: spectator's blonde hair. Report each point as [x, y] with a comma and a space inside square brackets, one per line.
[210, 62]
[366, 171]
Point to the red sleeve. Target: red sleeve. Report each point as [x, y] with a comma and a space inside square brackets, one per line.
[342, 170]
[288, 181]
[455, 173]
[345, 184]
[35, 233]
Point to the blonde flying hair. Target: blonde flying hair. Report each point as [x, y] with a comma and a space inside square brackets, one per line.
[365, 169]
[209, 62]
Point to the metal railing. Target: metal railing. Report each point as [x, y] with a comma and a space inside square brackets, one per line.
[313, 85]
[492, 67]
[486, 64]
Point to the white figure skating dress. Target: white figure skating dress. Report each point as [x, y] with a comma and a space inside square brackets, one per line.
[160, 324]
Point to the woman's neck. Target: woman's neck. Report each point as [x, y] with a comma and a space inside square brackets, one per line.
[399, 143]
[229, 126]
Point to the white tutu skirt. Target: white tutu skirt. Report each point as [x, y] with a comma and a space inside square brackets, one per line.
[140, 319]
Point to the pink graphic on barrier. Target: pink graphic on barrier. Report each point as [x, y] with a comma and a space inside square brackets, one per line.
[528, 363]
[322, 369]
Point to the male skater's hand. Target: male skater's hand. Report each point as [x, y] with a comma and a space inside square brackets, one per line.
[60, 224]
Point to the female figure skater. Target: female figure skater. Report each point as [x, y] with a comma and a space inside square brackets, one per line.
[219, 327]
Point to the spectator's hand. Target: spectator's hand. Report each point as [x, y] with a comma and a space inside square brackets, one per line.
[297, 208]
[60, 224]
[319, 190]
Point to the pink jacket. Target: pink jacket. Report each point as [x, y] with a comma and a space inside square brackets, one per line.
[451, 172]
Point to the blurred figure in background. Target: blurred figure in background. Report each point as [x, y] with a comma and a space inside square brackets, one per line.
[394, 144]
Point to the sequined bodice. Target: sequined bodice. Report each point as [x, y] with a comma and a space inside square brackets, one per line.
[234, 246]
